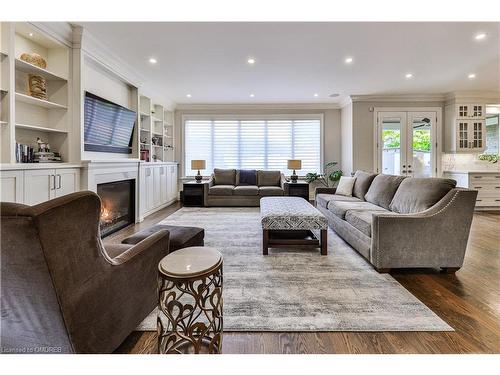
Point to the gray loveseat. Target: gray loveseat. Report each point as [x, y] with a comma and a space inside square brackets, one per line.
[399, 222]
[226, 187]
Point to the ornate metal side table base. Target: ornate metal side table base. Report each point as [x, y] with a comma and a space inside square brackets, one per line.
[190, 312]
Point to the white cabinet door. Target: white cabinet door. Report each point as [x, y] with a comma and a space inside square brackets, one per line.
[67, 181]
[12, 186]
[148, 184]
[39, 186]
[172, 182]
[156, 186]
[163, 184]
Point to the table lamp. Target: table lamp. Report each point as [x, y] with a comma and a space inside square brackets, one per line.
[197, 165]
[294, 164]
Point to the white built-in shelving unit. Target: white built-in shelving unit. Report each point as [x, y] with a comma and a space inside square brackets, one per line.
[23, 117]
[156, 130]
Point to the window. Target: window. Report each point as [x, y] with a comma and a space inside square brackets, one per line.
[253, 144]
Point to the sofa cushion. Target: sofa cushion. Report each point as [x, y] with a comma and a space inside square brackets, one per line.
[419, 194]
[345, 186]
[224, 176]
[268, 178]
[382, 190]
[340, 208]
[246, 190]
[221, 190]
[362, 183]
[323, 199]
[362, 220]
[268, 191]
[180, 236]
[246, 177]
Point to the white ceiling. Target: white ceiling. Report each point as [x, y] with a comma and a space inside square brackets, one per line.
[296, 60]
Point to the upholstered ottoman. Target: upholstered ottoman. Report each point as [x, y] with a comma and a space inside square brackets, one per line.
[180, 237]
[290, 222]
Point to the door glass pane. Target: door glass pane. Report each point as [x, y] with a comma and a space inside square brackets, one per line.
[391, 145]
[421, 164]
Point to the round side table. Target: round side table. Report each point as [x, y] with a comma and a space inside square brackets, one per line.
[190, 301]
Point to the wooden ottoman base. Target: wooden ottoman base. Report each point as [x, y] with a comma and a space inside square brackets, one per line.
[293, 238]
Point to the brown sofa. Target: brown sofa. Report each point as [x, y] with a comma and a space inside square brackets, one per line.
[61, 290]
[398, 222]
[225, 188]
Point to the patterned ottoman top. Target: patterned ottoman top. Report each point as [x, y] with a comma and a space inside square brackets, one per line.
[290, 213]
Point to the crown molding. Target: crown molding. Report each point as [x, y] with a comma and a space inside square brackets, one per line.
[492, 97]
[254, 106]
[398, 98]
[345, 102]
[60, 31]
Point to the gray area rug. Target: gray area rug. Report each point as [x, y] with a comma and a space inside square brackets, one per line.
[300, 290]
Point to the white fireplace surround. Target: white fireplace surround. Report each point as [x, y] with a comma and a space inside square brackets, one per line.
[96, 172]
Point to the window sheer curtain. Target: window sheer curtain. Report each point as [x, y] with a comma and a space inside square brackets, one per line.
[253, 144]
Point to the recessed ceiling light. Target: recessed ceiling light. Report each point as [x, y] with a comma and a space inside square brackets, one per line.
[30, 34]
[152, 60]
[316, 95]
[348, 60]
[480, 36]
[471, 76]
[251, 60]
[188, 95]
[252, 95]
[408, 75]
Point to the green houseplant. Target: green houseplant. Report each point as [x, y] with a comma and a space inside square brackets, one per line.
[329, 178]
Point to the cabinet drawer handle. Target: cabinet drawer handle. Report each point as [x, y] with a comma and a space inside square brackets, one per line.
[478, 176]
[497, 200]
[479, 200]
[59, 181]
[478, 187]
[52, 182]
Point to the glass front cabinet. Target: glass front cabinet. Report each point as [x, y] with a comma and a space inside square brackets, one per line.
[465, 129]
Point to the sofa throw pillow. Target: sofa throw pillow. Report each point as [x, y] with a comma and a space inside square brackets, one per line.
[418, 194]
[224, 176]
[268, 178]
[362, 183]
[382, 190]
[345, 186]
[247, 177]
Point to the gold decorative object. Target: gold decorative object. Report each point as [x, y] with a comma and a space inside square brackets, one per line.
[35, 59]
[37, 86]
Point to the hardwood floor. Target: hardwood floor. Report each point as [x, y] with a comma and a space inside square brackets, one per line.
[469, 301]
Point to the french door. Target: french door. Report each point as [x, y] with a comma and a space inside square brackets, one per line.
[406, 143]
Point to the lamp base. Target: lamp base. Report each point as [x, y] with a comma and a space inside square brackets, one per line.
[294, 177]
[198, 178]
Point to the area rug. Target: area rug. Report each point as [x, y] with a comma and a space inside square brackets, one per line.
[300, 290]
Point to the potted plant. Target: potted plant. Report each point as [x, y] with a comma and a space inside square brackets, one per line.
[329, 177]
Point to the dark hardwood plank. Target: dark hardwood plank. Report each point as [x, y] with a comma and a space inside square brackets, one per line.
[467, 300]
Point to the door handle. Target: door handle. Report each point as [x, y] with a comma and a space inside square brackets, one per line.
[52, 182]
[59, 181]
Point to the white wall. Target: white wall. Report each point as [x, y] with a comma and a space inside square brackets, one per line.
[331, 118]
[346, 139]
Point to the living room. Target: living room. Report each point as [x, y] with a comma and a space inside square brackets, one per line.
[249, 187]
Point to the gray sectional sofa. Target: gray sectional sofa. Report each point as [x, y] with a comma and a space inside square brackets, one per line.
[399, 222]
[226, 187]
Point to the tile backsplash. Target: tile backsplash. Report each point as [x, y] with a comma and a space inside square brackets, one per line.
[467, 162]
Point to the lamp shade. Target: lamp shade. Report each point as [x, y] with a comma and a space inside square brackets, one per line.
[197, 164]
[294, 164]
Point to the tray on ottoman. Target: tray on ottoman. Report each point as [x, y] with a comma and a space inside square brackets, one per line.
[290, 222]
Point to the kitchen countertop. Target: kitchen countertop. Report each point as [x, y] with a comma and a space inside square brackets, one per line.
[472, 171]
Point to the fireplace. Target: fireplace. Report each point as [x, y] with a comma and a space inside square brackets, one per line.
[117, 205]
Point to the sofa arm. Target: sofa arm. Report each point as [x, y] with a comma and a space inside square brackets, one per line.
[206, 186]
[158, 240]
[436, 237]
[282, 182]
[325, 190]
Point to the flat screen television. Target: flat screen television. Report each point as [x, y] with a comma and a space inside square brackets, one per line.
[108, 127]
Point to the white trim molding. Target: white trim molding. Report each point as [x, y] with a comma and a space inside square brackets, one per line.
[399, 98]
[256, 106]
